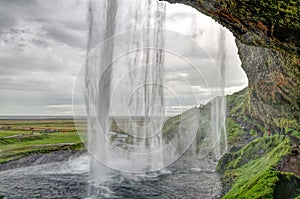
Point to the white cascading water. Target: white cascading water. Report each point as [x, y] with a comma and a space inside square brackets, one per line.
[131, 67]
[144, 74]
[215, 139]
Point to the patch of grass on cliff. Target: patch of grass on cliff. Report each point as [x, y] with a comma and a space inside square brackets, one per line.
[237, 119]
[295, 133]
[170, 127]
[174, 124]
[234, 132]
[251, 171]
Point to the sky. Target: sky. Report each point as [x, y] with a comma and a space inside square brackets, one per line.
[43, 46]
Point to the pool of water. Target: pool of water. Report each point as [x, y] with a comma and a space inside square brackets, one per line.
[188, 177]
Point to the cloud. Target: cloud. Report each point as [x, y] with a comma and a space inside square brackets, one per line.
[40, 43]
[42, 47]
[57, 31]
[63, 21]
[6, 21]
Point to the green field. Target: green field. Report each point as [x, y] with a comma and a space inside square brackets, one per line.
[19, 138]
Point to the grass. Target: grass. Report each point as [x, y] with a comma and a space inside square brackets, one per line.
[251, 172]
[234, 131]
[25, 142]
[6, 133]
[47, 138]
[295, 133]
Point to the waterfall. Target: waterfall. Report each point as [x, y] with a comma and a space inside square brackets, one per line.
[98, 79]
[142, 70]
[131, 66]
[212, 137]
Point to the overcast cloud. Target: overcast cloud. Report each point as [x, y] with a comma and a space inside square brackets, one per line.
[43, 45]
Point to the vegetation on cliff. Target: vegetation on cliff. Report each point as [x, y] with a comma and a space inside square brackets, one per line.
[251, 172]
[243, 126]
[258, 167]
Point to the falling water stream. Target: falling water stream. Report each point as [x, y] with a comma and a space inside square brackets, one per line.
[142, 72]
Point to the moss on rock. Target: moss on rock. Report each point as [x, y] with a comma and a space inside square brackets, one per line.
[251, 172]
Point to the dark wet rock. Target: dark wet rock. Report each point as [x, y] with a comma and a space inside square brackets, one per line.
[291, 162]
[288, 187]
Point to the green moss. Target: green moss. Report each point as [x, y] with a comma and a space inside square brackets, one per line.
[113, 137]
[173, 124]
[285, 122]
[250, 172]
[269, 12]
[295, 133]
[234, 132]
[171, 127]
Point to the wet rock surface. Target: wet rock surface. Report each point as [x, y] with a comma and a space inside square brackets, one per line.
[291, 162]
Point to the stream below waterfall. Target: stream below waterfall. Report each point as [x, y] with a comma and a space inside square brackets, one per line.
[188, 177]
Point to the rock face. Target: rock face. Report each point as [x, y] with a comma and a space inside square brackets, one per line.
[274, 79]
[268, 39]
